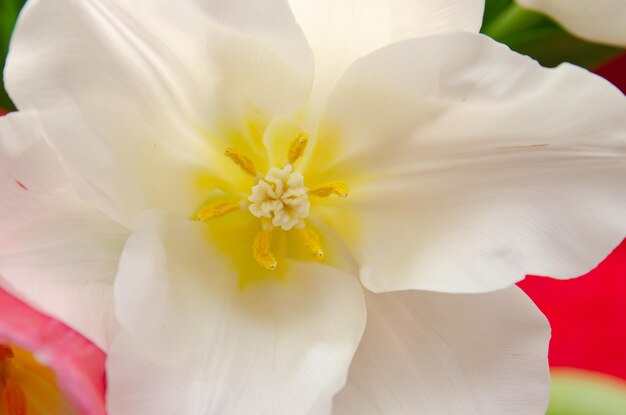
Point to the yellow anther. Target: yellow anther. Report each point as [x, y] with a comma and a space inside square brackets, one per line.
[14, 399]
[339, 188]
[311, 241]
[216, 210]
[242, 161]
[261, 250]
[296, 150]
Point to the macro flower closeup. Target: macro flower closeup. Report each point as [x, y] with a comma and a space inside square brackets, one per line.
[45, 367]
[297, 207]
[602, 21]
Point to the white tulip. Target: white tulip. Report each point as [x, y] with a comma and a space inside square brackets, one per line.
[601, 21]
[270, 159]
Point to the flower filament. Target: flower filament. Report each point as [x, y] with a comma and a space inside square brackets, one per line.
[279, 199]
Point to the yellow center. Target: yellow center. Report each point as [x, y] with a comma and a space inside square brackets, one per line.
[27, 387]
[279, 199]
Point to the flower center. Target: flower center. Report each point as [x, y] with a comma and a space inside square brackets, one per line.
[280, 200]
[28, 387]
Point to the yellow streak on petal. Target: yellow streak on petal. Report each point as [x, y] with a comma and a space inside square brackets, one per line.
[311, 241]
[339, 188]
[242, 161]
[216, 210]
[296, 150]
[15, 399]
[261, 250]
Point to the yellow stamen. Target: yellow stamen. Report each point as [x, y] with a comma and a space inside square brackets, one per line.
[242, 161]
[311, 241]
[339, 188]
[216, 210]
[15, 399]
[261, 250]
[296, 150]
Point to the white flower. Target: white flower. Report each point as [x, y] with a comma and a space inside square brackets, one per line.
[263, 163]
[56, 250]
[602, 21]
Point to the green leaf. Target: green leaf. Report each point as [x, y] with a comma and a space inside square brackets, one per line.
[579, 392]
[9, 9]
[537, 36]
[552, 46]
[512, 20]
[493, 8]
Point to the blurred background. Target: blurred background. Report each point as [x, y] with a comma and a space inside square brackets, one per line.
[587, 314]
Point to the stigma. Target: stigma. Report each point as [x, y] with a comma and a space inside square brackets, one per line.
[280, 198]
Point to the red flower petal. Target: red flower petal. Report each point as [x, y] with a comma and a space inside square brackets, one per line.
[588, 316]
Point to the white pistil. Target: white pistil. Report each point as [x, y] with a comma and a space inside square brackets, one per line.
[280, 197]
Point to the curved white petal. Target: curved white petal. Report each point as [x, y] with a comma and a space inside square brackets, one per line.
[194, 342]
[340, 31]
[136, 95]
[602, 21]
[477, 166]
[56, 251]
[431, 353]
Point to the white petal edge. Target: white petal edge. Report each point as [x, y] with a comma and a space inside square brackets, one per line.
[193, 342]
[341, 31]
[432, 353]
[133, 94]
[56, 252]
[476, 165]
[602, 21]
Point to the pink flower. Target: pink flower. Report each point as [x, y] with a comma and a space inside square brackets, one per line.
[46, 367]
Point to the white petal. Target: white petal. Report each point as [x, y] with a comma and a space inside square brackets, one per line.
[602, 21]
[340, 31]
[194, 342]
[487, 167]
[429, 353]
[56, 251]
[134, 95]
